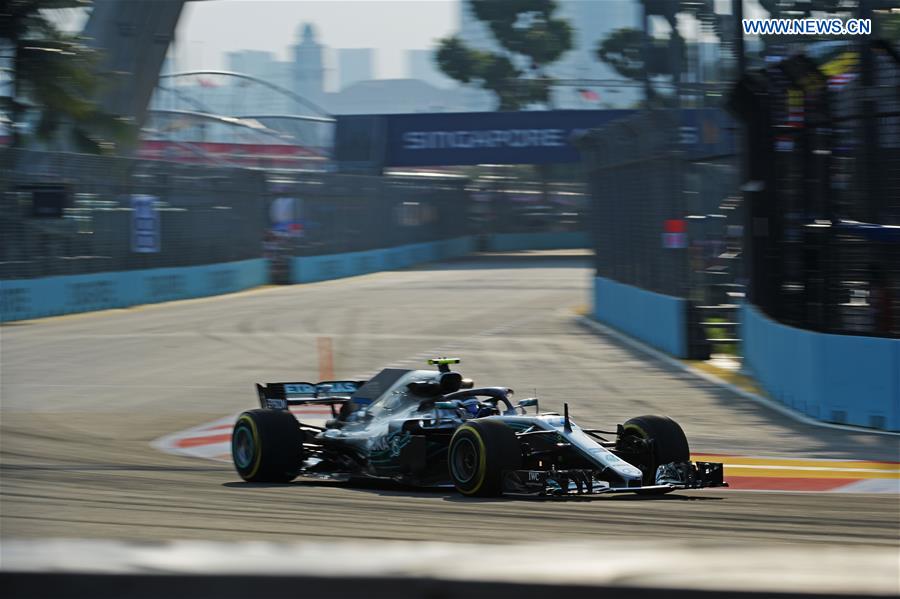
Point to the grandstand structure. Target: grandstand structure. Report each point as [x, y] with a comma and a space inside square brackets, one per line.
[234, 119]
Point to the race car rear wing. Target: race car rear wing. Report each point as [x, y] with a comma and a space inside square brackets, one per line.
[279, 396]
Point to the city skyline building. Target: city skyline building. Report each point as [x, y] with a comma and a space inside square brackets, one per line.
[265, 66]
[421, 65]
[354, 65]
[340, 89]
[308, 64]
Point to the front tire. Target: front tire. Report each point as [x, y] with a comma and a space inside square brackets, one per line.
[267, 446]
[480, 451]
[665, 442]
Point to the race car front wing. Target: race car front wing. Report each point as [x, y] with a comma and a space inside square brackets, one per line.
[556, 483]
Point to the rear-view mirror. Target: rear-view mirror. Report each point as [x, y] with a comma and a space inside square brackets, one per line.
[528, 401]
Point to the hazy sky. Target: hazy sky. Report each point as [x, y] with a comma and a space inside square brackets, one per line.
[208, 29]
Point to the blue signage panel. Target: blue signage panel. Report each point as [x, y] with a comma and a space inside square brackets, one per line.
[530, 137]
[144, 224]
[374, 141]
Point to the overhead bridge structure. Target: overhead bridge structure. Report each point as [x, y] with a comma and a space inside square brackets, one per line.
[135, 37]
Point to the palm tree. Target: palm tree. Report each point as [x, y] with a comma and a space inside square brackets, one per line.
[55, 77]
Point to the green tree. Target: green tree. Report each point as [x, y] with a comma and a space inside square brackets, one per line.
[625, 52]
[530, 38]
[633, 57]
[55, 78]
[622, 50]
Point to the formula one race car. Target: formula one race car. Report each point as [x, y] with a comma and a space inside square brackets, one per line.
[434, 428]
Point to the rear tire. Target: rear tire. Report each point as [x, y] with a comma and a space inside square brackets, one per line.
[480, 451]
[267, 446]
[667, 443]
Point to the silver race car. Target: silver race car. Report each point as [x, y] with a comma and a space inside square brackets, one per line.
[434, 428]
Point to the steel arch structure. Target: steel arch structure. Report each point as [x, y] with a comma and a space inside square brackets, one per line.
[324, 115]
[136, 36]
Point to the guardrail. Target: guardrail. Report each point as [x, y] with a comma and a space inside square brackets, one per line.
[654, 318]
[23, 299]
[309, 269]
[846, 379]
[561, 240]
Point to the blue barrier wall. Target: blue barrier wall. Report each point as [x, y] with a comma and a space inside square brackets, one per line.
[309, 269]
[656, 319]
[22, 299]
[835, 378]
[509, 242]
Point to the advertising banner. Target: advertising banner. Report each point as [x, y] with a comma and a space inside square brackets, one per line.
[459, 138]
[527, 137]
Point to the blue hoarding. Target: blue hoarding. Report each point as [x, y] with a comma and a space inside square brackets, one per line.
[23, 299]
[529, 137]
[458, 138]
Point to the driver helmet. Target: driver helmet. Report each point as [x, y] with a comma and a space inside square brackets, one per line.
[472, 407]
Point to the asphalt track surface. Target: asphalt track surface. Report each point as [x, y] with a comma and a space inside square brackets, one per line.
[83, 396]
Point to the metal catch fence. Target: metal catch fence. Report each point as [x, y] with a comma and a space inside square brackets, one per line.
[662, 214]
[209, 215]
[330, 213]
[824, 158]
[206, 215]
[633, 179]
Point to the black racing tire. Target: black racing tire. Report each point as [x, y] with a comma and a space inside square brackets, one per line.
[480, 451]
[267, 446]
[668, 443]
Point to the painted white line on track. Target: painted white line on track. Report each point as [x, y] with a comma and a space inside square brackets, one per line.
[872, 485]
[212, 440]
[170, 443]
[809, 468]
[721, 457]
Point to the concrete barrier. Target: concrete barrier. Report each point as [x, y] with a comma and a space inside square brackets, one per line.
[509, 242]
[656, 319]
[310, 269]
[845, 379]
[22, 299]
[626, 569]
